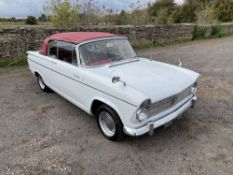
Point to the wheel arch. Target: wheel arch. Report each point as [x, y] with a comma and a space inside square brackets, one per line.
[98, 102]
[36, 73]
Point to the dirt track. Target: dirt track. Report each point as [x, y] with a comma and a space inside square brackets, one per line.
[44, 134]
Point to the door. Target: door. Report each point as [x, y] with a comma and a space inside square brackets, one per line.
[68, 75]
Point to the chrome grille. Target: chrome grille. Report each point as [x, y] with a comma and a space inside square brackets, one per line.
[169, 102]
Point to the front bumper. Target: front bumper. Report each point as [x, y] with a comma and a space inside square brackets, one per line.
[151, 125]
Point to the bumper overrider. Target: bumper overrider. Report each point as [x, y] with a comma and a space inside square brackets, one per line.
[151, 125]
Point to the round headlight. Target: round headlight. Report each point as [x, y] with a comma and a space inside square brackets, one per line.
[195, 85]
[143, 110]
[141, 115]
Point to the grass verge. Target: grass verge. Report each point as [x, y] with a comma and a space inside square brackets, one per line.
[158, 43]
[17, 61]
[200, 33]
[22, 24]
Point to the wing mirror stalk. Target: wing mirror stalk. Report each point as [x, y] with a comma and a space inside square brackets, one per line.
[117, 79]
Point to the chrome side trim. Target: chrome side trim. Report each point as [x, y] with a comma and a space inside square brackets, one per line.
[83, 83]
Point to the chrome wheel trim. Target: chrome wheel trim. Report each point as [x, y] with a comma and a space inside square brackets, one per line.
[41, 83]
[107, 124]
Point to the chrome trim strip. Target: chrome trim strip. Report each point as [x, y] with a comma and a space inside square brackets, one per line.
[95, 40]
[122, 63]
[55, 59]
[174, 110]
[81, 82]
[166, 119]
[102, 38]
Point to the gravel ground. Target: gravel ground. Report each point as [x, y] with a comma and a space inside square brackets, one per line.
[43, 133]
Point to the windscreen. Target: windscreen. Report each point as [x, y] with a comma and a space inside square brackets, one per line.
[105, 52]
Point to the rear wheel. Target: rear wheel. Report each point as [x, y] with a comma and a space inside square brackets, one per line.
[42, 85]
[109, 123]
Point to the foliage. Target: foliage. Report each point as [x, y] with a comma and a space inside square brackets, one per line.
[43, 18]
[217, 31]
[206, 16]
[31, 20]
[12, 19]
[158, 43]
[72, 13]
[169, 5]
[90, 13]
[64, 13]
[200, 32]
[122, 18]
[163, 11]
[163, 17]
[138, 15]
[224, 10]
[188, 11]
[18, 61]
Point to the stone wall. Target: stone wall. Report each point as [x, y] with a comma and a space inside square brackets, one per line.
[17, 41]
[227, 29]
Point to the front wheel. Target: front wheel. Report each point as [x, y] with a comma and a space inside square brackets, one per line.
[109, 123]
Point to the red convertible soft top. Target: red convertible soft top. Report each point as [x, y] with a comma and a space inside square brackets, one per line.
[73, 37]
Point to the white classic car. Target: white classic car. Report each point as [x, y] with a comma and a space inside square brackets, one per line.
[101, 74]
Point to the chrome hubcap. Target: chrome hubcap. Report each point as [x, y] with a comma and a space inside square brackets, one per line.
[41, 83]
[107, 124]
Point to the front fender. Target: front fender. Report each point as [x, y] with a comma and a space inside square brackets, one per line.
[124, 110]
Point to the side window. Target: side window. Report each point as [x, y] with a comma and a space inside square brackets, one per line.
[52, 49]
[66, 52]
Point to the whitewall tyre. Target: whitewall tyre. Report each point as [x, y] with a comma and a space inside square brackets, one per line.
[109, 123]
[41, 83]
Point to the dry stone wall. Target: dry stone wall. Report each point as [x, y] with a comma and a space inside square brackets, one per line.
[16, 41]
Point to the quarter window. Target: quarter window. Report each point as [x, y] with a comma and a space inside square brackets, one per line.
[52, 49]
[63, 51]
[66, 52]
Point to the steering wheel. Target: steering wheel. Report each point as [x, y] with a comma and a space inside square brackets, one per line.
[119, 58]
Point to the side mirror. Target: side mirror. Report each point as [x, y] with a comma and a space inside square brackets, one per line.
[117, 79]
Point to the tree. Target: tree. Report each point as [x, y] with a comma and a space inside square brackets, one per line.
[42, 18]
[163, 11]
[163, 17]
[122, 18]
[139, 14]
[188, 11]
[198, 10]
[13, 19]
[90, 13]
[206, 16]
[31, 20]
[169, 5]
[64, 13]
[224, 10]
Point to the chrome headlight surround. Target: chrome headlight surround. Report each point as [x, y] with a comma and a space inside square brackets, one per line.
[143, 110]
[194, 88]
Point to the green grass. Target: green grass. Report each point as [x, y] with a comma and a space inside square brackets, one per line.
[21, 24]
[18, 61]
[164, 43]
[158, 43]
